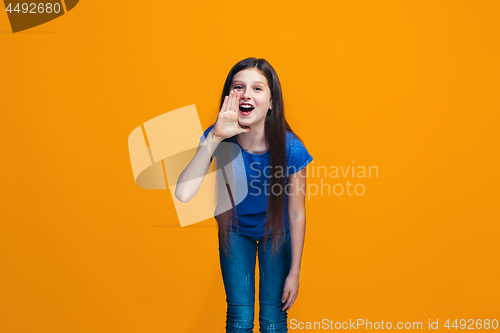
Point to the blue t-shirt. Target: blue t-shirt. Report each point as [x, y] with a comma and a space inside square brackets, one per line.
[252, 209]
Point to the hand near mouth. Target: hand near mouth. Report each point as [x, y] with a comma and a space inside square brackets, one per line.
[227, 124]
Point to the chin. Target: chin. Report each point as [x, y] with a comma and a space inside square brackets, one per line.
[244, 125]
[244, 122]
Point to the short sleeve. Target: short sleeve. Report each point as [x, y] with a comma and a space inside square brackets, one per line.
[202, 138]
[300, 157]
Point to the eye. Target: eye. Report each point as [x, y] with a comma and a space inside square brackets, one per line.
[237, 87]
[258, 88]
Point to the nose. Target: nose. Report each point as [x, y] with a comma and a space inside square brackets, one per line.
[245, 95]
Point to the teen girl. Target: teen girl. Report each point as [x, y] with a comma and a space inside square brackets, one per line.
[252, 119]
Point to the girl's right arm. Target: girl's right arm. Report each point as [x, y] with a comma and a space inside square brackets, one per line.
[190, 180]
[226, 126]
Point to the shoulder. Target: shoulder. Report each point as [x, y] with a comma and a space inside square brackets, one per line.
[293, 143]
[297, 155]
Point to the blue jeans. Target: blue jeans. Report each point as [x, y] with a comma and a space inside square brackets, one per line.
[238, 273]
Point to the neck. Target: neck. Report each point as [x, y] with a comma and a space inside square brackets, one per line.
[255, 141]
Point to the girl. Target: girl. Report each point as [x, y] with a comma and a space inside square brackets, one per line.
[252, 119]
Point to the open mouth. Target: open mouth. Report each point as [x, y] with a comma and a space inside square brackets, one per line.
[245, 109]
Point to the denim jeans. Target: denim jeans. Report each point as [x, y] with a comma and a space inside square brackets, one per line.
[238, 274]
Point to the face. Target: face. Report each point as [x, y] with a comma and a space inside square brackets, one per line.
[255, 97]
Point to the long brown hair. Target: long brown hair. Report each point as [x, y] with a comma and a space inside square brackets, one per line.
[275, 128]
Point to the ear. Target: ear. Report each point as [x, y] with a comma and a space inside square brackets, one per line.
[271, 107]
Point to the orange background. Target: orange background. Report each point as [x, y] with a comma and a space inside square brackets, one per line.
[408, 86]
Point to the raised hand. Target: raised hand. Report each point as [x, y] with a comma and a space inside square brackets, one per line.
[227, 124]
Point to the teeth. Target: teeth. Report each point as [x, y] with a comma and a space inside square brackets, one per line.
[246, 106]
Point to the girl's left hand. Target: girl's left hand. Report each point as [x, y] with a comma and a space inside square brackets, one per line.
[292, 287]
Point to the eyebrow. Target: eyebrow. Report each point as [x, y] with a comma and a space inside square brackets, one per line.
[242, 81]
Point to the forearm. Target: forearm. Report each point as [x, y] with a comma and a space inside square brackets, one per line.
[297, 237]
[190, 179]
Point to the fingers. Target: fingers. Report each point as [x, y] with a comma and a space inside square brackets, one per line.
[224, 105]
[289, 303]
[236, 101]
[231, 102]
[286, 304]
[228, 102]
[284, 296]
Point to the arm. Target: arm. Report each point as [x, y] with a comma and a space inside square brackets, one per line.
[226, 126]
[297, 220]
[190, 180]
